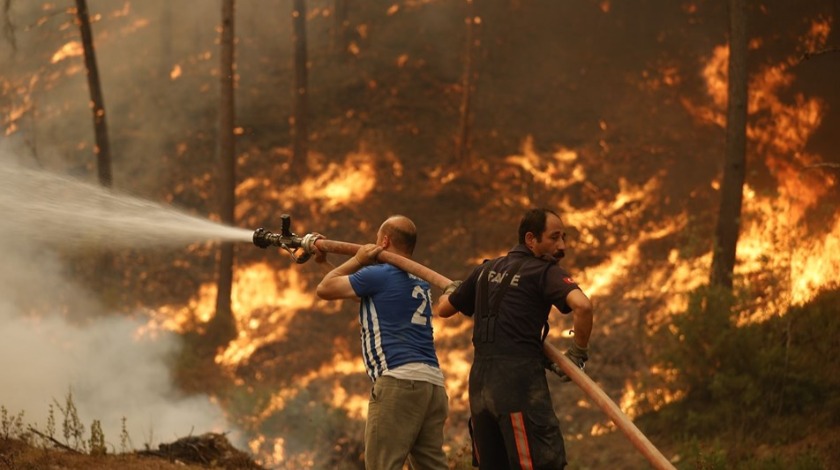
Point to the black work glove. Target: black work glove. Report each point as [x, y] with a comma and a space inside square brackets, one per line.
[550, 365]
[450, 288]
[576, 354]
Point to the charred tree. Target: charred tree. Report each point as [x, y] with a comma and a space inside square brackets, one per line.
[341, 29]
[8, 26]
[222, 327]
[300, 134]
[97, 103]
[166, 41]
[734, 168]
[467, 84]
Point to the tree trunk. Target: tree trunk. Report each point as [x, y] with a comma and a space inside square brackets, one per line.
[222, 328]
[166, 41]
[8, 26]
[734, 169]
[341, 29]
[300, 105]
[467, 83]
[100, 127]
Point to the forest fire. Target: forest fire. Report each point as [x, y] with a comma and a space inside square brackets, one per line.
[631, 159]
[774, 249]
[780, 130]
[548, 172]
[264, 301]
[335, 186]
[779, 135]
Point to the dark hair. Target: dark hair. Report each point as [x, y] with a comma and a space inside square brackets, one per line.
[402, 232]
[534, 221]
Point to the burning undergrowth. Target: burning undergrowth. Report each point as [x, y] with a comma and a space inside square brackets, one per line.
[638, 261]
[629, 160]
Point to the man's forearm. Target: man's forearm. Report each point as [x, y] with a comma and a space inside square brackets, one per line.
[443, 308]
[582, 319]
[344, 269]
[336, 284]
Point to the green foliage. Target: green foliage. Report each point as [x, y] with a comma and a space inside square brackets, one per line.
[705, 459]
[769, 382]
[699, 340]
[716, 458]
[744, 373]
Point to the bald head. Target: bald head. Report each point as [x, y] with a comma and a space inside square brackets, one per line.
[401, 232]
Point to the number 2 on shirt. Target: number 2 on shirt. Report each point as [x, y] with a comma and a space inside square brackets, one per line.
[419, 293]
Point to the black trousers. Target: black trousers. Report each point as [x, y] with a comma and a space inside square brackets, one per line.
[512, 418]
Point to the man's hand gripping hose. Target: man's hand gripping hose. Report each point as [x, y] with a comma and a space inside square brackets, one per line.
[577, 355]
[570, 363]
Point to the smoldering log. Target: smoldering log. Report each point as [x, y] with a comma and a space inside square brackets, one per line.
[209, 449]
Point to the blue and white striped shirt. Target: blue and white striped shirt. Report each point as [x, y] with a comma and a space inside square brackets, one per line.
[395, 318]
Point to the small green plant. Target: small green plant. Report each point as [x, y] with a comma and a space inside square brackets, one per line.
[11, 426]
[97, 439]
[72, 428]
[125, 440]
[699, 458]
[73, 431]
[51, 422]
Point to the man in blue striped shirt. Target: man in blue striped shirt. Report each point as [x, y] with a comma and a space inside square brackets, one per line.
[408, 402]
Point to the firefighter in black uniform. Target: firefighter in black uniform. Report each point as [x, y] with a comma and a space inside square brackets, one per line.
[512, 418]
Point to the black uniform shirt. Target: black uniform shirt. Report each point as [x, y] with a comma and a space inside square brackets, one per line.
[517, 327]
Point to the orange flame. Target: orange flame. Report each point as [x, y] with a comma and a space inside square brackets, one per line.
[70, 49]
[264, 302]
[776, 261]
[176, 72]
[553, 172]
[336, 186]
[780, 130]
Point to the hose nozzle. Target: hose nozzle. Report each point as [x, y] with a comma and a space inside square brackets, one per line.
[287, 240]
[264, 239]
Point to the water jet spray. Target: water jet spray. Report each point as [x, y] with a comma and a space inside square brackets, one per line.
[57, 210]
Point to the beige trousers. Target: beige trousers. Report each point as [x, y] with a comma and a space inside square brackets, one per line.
[405, 419]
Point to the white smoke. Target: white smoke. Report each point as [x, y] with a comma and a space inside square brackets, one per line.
[111, 372]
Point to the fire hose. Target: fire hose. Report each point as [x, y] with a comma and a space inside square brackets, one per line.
[302, 248]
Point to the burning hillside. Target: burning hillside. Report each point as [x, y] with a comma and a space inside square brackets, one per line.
[615, 118]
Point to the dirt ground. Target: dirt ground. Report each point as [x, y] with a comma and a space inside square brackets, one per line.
[208, 451]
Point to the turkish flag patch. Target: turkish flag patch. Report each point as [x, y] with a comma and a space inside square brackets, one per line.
[569, 280]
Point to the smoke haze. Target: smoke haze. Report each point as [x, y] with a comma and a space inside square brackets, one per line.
[608, 111]
[111, 371]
